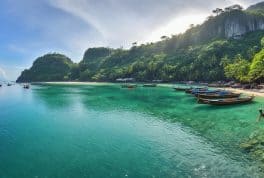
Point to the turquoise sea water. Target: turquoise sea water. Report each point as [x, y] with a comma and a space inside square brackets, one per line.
[106, 131]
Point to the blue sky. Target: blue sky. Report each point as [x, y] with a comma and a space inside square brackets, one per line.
[31, 28]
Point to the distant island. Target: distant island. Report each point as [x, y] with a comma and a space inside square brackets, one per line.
[227, 46]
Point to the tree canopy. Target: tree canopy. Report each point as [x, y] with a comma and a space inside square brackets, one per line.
[257, 67]
[50, 67]
[203, 53]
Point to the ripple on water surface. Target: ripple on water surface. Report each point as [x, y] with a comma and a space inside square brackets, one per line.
[105, 131]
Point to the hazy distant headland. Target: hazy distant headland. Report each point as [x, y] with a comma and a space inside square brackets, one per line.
[228, 45]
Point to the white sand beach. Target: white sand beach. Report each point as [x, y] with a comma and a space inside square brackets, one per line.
[254, 92]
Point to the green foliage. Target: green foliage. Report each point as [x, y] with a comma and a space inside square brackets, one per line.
[262, 42]
[148, 62]
[75, 72]
[85, 75]
[50, 67]
[93, 57]
[94, 53]
[257, 67]
[238, 70]
[202, 53]
[257, 8]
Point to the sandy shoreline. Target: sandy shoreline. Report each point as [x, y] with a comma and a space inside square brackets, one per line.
[75, 83]
[235, 90]
[246, 91]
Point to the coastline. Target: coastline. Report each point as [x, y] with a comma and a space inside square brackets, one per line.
[73, 83]
[235, 90]
[254, 92]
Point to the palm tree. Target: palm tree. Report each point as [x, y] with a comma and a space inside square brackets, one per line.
[218, 11]
[134, 44]
[164, 37]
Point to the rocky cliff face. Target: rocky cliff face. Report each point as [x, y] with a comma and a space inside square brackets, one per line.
[236, 27]
[237, 23]
[232, 24]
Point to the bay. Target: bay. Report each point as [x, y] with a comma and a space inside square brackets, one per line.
[108, 131]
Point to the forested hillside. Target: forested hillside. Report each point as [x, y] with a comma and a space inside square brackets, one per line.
[50, 67]
[204, 52]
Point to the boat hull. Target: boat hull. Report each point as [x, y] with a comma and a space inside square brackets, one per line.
[218, 96]
[181, 89]
[227, 101]
[150, 85]
[195, 90]
[129, 86]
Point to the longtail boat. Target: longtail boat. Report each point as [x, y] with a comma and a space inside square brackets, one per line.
[129, 86]
[150, 85]
[188, 91]
[197, 93]
[191, 90]
[182, 88]
[227, 101]
[218, 95]
[26, 86]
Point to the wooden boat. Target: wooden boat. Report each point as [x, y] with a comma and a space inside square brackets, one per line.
[150, 85]
[181, 88]
[191, 90]
[197, 93]
[26, 86]
[226, 101]
[218, 95]
[129, 86]
[201, 90]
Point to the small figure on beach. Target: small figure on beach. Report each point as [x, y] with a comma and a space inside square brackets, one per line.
[261, 115]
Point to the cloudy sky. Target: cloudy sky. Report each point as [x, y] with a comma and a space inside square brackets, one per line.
[31, 28]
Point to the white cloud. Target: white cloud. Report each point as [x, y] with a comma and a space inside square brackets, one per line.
[2, 74]
[71, 26]
[17, 49]
[177, 25]
[244, 3]
[10, 72]
[121, 22]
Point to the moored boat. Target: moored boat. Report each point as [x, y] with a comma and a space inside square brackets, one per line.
[129, 86]
[191, 90]
[226, 101]
[181, 88]
[218, 95]
[26, 86]
[197, 93]
[150, 85]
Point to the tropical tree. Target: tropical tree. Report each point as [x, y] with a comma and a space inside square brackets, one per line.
[218, 11]
[257, 67]
[134, 44]
[238, 70]
[164, 37]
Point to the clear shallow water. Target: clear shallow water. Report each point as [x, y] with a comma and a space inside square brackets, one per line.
[106, 131]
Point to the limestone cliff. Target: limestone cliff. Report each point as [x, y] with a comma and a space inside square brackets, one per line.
[231, 24]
